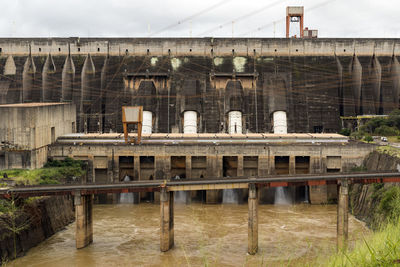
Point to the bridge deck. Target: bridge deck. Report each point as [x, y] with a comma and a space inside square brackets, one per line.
[201, 184]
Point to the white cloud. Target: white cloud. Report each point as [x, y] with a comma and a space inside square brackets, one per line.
[114, 18]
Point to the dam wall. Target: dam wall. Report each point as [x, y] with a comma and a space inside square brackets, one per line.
[315, 81]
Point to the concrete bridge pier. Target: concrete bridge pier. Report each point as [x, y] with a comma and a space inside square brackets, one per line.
[166, 219]
[343, 215]
[84, 219]
[253, 220]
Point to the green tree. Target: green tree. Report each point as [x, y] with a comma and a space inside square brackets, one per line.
[12, 220]
[368, 138]
[394, 118]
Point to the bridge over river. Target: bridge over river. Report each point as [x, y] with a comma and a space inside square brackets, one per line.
[83, 199]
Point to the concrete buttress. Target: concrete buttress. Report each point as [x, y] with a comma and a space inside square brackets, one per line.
[253, 220]
[84, 220]
[166, 219]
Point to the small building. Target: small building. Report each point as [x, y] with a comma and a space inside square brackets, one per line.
[27, 129]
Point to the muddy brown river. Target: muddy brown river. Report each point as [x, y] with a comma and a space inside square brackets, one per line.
[212, 235]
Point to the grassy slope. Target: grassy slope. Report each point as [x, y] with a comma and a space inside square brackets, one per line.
[383, 247]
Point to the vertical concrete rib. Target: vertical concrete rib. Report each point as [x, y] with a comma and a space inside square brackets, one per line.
[68, 76]
[166, 219]
[356, 77]
[343, 215]
[253, 220]
[87, 75]
[84, 220]
[48, 69]
[396, 81]
[376, 79]
[28, 76]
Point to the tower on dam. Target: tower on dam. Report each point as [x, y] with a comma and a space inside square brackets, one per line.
[206, 85]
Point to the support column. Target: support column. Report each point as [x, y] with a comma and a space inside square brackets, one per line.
[91, 177]
[253, 220]
[343, 215]
[166, 219]
[84, 220]
[240, 170]
[292, 165]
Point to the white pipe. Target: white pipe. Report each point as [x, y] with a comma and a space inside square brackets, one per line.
[235, 122]
[190, 122]
[280, 122]
[147, 125]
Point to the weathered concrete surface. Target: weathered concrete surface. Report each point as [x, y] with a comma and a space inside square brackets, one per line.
[253, 220]
[343, 215]
[207, 156]
[84, 220]
[27, 129]
[365, 199]
[45, 217]
[166, 220]
[315, 81]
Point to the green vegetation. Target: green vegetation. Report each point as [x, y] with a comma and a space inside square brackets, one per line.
[368, 138]
[14, 220]
[389, 150]
[389, 126]
[54, 172]
[383, 247]
[361, 168]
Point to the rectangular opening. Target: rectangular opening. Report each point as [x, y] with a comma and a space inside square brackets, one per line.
[282, 165]
[230, 164]
[53, 134]
[126, 168]
[318, 129]
[199, 166]
[147, 168]
[73, 127]
[178, 167]
[302, 164]
[250, 166]
[2, 163]
[100, 176]
[333, 163]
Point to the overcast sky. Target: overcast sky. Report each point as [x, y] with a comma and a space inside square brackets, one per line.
[185, 18]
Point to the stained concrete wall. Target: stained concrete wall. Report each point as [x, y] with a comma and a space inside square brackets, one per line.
[339, 157]
[314, 80]
[27, 129]
[347, 156]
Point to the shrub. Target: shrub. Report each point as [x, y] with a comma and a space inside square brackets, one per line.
[386, 130]
[345, 131]
[368, 138]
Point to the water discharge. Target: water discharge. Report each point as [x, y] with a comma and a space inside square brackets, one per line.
[230, 196]
[213, 235]
[282, 197]
[126, 198]
[181, 197]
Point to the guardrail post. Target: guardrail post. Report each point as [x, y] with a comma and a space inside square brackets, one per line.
[343, 215]
[166, 219]
[253, 220]
[83, 219]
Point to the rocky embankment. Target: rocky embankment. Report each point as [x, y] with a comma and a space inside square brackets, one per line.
[367, 202]
[39, 219]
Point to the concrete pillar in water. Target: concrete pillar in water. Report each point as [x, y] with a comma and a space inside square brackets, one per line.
[343, 215]
[84, 220]
[253, 220]
[166, 219]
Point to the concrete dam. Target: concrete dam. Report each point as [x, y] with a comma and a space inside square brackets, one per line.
[214, 85]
